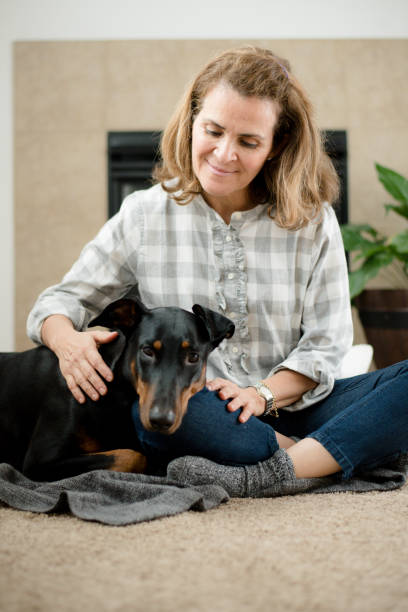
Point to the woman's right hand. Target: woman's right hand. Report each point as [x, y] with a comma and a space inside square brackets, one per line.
[80, 362]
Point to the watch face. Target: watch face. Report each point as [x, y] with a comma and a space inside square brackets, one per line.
[265, 392]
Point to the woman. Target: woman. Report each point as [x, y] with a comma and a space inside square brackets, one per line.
[239, 221]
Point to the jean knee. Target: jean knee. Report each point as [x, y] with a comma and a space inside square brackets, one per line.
[210, 430]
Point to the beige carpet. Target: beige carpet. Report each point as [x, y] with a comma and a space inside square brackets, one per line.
[336, 552]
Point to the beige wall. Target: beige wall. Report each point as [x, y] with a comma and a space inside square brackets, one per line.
[69, 94]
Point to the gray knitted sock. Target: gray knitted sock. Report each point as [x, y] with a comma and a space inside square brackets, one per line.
[270, 478]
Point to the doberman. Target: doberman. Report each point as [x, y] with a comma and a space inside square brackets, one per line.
[159, 355]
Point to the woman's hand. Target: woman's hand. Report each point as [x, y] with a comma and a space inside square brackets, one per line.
[82, 365]
[245, 398]
[79, 359]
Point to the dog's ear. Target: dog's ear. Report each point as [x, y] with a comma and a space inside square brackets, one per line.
[217, 326]
[123, 314]
[111, 351]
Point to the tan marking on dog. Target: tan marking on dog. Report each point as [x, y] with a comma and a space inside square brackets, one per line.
[86, 443]
[133, 369]
[183, 399]
[124, 315]
[145, 392]
[125, 460]
[185, 344]
[157, 345]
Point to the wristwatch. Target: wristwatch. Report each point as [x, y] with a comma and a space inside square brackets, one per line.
[264, 391]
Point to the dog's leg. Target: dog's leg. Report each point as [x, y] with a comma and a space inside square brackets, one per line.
[124, 460]
[50, 457]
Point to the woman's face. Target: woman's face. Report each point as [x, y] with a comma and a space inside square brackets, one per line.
[231, 139]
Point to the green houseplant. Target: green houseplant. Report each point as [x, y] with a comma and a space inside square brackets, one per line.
[373, 251]
[383, 312]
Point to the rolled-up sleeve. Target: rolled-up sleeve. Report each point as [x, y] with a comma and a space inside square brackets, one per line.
[326, 328]
[104, 271]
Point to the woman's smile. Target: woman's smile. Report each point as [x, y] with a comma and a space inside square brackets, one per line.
[218, 170]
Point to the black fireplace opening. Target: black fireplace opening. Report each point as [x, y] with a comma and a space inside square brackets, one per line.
[133, 155]
[131, 159]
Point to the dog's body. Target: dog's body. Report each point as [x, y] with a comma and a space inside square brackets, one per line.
[159, 358]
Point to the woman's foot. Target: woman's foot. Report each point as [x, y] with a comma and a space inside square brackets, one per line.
[245, 481]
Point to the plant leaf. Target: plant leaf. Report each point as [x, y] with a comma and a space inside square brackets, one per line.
[372, 248]
[394, 183]
[400, 210]
[353, 238]
[400, 243]
[370, 268]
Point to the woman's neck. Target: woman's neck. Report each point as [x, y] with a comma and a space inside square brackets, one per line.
[225, 206]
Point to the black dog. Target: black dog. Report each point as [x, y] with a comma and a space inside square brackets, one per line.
[159, 355]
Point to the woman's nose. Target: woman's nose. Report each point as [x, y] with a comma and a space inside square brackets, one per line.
[225, 150]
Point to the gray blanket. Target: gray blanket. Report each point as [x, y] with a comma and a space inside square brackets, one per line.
[116, 498]
[385, 477]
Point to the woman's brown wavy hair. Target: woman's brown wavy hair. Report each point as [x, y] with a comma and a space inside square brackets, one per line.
[300, 176]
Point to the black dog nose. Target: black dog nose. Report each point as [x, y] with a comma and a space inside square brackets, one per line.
[161, 418]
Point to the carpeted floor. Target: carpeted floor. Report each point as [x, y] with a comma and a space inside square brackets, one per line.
[330, 553]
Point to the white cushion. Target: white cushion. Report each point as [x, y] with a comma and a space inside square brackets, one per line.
[357, 360]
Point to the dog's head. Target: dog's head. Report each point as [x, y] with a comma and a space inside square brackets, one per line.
[165, 353]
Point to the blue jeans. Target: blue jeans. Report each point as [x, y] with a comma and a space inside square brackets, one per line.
[362, 423]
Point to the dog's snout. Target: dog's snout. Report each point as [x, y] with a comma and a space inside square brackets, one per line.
[161, 419]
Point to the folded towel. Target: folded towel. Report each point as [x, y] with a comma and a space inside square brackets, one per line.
[114, 498]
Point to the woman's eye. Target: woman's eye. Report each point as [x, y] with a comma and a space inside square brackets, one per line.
[249, 145]
[193, 357]
[146, 350]
[212, 132]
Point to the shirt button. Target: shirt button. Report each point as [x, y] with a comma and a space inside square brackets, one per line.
[235, 349]
[231, 275]
[228, 239]
[238, 215]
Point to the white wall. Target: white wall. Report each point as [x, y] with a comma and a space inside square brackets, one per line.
[133, 19]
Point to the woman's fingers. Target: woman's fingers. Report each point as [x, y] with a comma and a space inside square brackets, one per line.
[226, 389]
[95, 358]
[245, 399]
[100, 366]
[246, 413]
[216, 384]
[89, 381]
[75, 390]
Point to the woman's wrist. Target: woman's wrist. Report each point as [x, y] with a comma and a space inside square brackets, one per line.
[288, 386]
[55, 329]
[266, 394]
[258, 400]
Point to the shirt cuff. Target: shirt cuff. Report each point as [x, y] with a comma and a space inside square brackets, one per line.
[314, 370]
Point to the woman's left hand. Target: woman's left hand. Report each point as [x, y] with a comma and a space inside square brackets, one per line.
[245, 398]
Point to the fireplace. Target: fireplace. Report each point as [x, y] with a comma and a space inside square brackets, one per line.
[132, 156]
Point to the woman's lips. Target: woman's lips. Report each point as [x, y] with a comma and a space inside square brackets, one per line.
[219, 171]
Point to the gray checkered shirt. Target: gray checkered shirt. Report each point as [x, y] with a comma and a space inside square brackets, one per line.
[286, 291]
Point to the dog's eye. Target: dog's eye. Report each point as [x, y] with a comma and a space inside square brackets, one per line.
[149, 352]
[193, 357]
